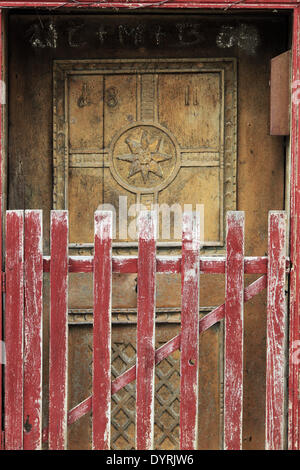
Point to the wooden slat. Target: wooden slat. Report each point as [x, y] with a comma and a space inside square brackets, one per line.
[33, 260]
[102, 330]
[14, 330]
[168, 265]
[146, 331]
[233, 354]
[294, 304]
[248, 4]
[280, 96]
[276, 331]
[3, 120]
[189, 359]
[161, 353]
[58, 331]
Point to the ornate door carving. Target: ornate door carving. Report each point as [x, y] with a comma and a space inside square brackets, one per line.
[157, 132]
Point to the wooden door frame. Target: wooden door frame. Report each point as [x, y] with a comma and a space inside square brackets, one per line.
[294, 7]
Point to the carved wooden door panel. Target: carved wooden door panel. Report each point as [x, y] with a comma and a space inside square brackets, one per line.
[144, 132]
[152, 133]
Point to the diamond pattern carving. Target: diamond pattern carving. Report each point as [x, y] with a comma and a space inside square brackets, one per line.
[167, 388]
[167, 383]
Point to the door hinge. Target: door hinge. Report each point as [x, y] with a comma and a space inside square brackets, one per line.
[3, 282]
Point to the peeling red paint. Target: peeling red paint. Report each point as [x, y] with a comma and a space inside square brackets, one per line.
[145, 362]
[189, 360]
[33, 318]
[102, 331]
[234, 332]
[276, 333]
[294, 314]
[58, 359]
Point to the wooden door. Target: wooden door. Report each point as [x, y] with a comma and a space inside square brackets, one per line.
[150, 133]
[134, 110]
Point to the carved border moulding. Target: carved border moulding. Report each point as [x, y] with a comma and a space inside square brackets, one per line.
[60, 146]
[128, 316]
[140, 148]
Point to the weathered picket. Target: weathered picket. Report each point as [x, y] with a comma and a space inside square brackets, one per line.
[14, 318]
[276, 332]
[190, 280]
[102, 330]
[145, 362]
[58, 366]
[233, 347]
[33, 277]
[24, 269]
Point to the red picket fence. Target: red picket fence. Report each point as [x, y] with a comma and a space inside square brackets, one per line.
[25, 265]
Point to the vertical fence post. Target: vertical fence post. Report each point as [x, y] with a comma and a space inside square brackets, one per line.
[2, 153]
[189, 360]
[102, 330]
[14, 330]
[234, 331]
[294, 300]
[276, 332]
[33, 261]
[145, 364]
[58, 367]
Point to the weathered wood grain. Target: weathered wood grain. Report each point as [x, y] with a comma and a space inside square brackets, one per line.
[234, 331]
[58, 366]
[294, 304]
[189, 358]
[3, 136]
[145, 362]
[102, 331]
[14, 330]
[33, 321]
[276, 333]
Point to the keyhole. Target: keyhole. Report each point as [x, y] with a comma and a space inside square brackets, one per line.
[27, 425]
[136, 285]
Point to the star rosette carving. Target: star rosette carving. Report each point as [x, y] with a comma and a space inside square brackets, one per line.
[145, 155]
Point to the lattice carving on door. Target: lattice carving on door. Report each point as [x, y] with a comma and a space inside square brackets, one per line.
[123, 402]
[167, 393]
[167, 387]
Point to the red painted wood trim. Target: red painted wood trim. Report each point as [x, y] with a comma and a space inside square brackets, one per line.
[33, 320]
[167, 265]
[90, 3]
[189, 357]
[233, 348]
[102, 331]
[2, 276]
[58, 363]
[294, 313]
[276, 333]
[259, 4]
[161, 353]
[14, 312]
[145, 362]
